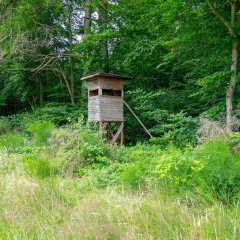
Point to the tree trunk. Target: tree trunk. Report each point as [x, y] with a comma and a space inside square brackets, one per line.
[41, 92]
[62, 73]
[71, 59]
[230, 25]
[102, 21]
[87, 30]
[234, 66]
[232, 86]
[87, 18]
[72, 77]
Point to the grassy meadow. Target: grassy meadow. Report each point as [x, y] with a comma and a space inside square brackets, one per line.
[65, 183]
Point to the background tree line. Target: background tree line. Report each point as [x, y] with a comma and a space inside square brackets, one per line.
[183, 56]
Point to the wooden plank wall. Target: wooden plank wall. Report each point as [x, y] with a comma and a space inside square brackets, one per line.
[105, 108]
[94, 108]
[111, 84]
[93, 84]
[111, 108]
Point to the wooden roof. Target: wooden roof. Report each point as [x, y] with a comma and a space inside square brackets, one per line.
[106, 75]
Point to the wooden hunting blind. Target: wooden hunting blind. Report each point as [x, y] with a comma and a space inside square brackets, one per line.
[105, 101]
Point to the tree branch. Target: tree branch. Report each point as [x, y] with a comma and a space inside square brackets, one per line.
[222, 19]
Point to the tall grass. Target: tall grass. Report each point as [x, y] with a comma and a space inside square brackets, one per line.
[168, 199]
[112, 215]
[29, 209]
[54, 209]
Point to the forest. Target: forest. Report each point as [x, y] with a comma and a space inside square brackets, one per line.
[177, 175]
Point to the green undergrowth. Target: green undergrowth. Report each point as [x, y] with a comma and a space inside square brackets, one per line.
[66, 183]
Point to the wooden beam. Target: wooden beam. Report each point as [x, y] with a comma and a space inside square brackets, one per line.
[101, 126]
[110, 130]
[122, 136]
[138, 119]
[117, 135]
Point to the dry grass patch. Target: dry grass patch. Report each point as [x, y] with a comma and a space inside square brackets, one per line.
[112, 215]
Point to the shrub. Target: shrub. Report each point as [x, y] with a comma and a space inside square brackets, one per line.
[177, 129]
[213, 169]
[19, 122]
[59, 114]
[5, 126]
[177, 168]
[168, 126]
[106, 176]
[222, 168]
[134, 175]
[235, 141]
[40, 131]
[63, 143]
[75, 146]
[94, 151]
[140, 161]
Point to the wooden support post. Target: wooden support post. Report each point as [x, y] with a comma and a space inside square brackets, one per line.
[138, 119]
[108, 133]
[113, 138]
[117, 135]
[100, 126]
[110, 130]
[122, 135]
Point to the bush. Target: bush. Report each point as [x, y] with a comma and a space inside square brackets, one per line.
[213, 169]
[76, 147]
[169, 127]
[5, 127]
[177, 168]
[222, 168]
[235, 141]
[59, 114]
[106, 176]
[19, 122]
[140, 161]
[40, 131]
[64, 145]
[134, 175]
[177, 129]
[93, 150]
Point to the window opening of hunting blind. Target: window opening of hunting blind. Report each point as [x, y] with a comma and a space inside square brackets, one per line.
[105, 92]
[114, 93]
[93, 93]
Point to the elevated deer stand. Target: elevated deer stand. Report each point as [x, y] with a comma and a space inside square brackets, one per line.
[105, 103]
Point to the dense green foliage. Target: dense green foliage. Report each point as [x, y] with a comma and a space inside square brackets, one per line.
[59, 179]
[178, 54]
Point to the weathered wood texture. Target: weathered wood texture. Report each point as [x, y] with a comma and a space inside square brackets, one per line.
[93, 108]
[105, 75]
[104, 83]
[105, 108]
[112, 84]
[118, 134]
[93, 84]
